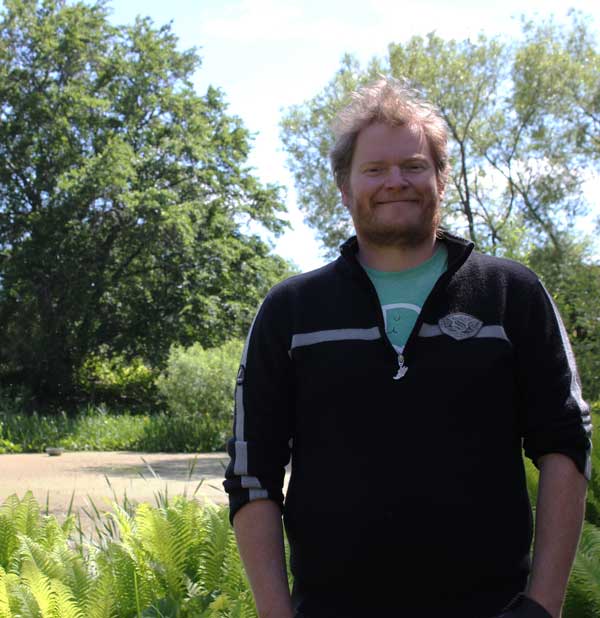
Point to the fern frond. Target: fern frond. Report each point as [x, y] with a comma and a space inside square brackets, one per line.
[63, 603]
[101, 601]
[75, 574]
[30, 551]
[5, 611]
[583, 595]
[165, 537]
[121, 563]
[39, 586]
[9, 542]
[26, 516]
[217, 537]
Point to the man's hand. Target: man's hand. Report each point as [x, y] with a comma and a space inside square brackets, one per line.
[524, 607]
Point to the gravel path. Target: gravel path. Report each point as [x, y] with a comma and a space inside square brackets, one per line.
[84, 476]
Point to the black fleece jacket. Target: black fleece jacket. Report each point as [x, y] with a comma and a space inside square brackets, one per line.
[407, 487]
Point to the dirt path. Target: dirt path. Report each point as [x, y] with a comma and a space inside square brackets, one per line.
[84, 476]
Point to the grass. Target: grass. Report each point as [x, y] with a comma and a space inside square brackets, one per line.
[97, 429]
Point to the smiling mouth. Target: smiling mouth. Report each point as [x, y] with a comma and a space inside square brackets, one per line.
[406, 201]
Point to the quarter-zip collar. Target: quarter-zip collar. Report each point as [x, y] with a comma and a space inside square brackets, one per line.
[458, 249]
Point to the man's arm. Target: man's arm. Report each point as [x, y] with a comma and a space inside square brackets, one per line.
[259, 534]
[559, 518]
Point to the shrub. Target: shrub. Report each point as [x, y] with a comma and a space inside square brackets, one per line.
[198, 387]
[116, 380]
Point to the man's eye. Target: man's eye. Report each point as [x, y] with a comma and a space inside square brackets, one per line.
[373, 169]
[414, 167]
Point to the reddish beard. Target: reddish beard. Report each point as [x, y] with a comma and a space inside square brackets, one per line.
[408, 235]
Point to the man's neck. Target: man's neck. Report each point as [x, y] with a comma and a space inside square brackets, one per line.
[395, 259]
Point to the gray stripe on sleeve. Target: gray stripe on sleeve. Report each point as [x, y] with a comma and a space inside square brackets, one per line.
[340, 334]
[251, 482]
[575, 387]
[240, 468]
[239, 411]
[257, 494]
[241, 447]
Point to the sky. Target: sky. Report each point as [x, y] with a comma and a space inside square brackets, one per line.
[267, 55]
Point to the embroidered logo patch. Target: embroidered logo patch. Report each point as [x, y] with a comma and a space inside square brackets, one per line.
[460, 326]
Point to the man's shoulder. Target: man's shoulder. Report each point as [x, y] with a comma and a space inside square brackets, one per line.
[503, 268]
[305, 283]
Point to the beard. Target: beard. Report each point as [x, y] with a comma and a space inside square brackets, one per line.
[407, 235]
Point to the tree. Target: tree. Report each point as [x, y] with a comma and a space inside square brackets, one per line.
[124, 197]
[523, 119]
[573, 280]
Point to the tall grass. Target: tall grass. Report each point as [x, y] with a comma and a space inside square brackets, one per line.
[96, 429]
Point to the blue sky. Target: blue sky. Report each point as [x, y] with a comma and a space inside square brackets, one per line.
[267, 55]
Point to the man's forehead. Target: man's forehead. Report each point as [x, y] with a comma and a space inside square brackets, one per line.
[380, 137]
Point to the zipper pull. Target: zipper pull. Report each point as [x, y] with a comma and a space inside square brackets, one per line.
[402, 368]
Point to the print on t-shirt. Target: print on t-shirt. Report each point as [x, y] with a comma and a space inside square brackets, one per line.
[399, 319]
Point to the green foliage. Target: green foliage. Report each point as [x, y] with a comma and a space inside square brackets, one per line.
[523, 122]
[95, 429]
[198, 385]
[176, 559]
[592, 514]
[116, 380]
[6, 446]
[593, 498]
[201, 381]
[571, 277]
[583, 595]
[176, 433]
[124, 196]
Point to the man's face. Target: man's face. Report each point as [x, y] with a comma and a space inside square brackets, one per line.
[392, 192]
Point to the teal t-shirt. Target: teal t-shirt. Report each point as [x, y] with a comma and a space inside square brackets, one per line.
[403, 293]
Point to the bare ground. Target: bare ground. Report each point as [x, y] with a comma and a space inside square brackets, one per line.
[100, 476]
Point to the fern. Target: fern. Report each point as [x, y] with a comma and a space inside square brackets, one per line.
[26, 516]
[216, 535]
[165, 538]
[39, 586]
[8, 541]
[175, 560]
[5, 611]
[63, 603]
[121, 564]
[101, 602]
[583, 596]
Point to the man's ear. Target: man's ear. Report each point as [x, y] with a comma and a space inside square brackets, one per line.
[441, 187]
[346, 195]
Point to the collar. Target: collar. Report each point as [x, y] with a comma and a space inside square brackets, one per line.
[458, 249]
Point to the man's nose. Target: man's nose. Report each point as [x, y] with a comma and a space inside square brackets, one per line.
[395, 177]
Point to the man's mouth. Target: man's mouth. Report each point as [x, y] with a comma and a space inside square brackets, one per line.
[399, 201]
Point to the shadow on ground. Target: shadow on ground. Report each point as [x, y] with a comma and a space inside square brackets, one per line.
[166, 469]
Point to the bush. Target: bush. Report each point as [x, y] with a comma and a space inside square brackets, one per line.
[117, 381]
[198, 387]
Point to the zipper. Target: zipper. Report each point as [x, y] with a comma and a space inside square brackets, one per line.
[453, 266]
[400, 366]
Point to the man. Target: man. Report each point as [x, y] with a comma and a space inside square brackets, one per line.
[405, 378]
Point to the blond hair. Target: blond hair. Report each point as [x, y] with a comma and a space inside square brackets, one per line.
[392, 102]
